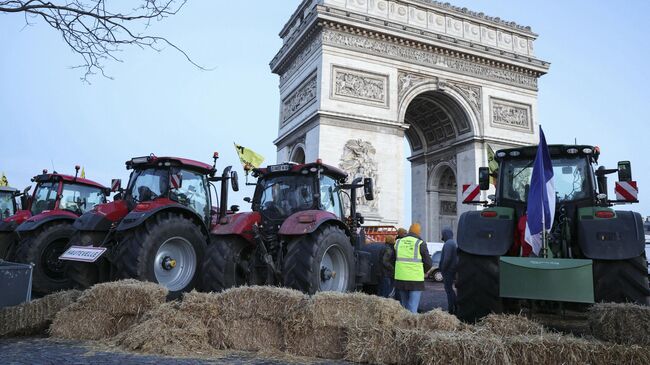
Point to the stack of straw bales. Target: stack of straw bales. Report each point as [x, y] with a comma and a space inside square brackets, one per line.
[107, 309]
[621, 323]
[33, 318]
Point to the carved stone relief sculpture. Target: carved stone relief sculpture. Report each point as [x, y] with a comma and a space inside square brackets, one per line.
[358, 160]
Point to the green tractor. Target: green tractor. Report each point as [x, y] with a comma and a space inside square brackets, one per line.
[592, 252]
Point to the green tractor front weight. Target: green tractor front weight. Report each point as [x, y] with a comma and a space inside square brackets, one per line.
[565, 280]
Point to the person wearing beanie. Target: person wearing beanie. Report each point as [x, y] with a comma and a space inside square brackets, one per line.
[388, 269]
[411, 261]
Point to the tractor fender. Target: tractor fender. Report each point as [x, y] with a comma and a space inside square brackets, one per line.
[240, 224]
[483, 236]
[46, 217]
[8, 226]
[308, 221]
[102, 216]
[618, 238]
[138, 216]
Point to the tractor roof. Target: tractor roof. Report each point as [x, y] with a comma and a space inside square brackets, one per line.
[66, 178]
[556, 150]
[7, 189]
[294, 168]
[155, 161]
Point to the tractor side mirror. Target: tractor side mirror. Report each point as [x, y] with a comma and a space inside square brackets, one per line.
[247, 199]
[26, 190]
[484, 178]
[368, 189]
[116, 185]
[24, 201]
[234, 181]
[624, 171]
[175, 180]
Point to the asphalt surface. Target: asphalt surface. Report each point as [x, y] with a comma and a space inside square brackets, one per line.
[14, 351]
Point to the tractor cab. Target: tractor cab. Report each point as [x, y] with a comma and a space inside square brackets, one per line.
[8, 204]
[285, 189]
[158, 181]
[64, 192]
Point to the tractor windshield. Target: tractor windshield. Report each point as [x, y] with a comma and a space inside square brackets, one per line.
[6, 204]
[45, 197]
[148, 184]
[281, 196]
[570, 177]
[79, 199]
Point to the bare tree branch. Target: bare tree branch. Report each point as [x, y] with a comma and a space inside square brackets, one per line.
[97, 34]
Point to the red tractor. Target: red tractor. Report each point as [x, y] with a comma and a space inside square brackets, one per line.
[155, 230]
[44, 226]
[8, 220]
[297, 235]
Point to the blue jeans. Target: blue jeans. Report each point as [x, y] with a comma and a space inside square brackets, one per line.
[410, 299]
[385, 287]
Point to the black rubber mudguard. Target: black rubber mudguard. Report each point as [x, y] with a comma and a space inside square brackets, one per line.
[618, 238]
[92, 221]
[29, 225]
[482, 236]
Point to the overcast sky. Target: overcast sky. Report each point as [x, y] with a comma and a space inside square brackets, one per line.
[596, 89]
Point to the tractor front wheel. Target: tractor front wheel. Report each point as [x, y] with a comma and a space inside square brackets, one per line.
[477, 286]
[320, 261]
[7, 240]
[42, 249]
[621, 281]
[226, 263]
[167, 249]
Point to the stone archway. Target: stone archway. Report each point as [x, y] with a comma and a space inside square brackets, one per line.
[358, 76]
[298, 154]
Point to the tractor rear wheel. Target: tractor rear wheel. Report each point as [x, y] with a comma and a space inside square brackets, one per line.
[6, 241]
[42, 249]
[320, 261]
[167, 249]
[477, 286]
[621, 281]
[225, 264]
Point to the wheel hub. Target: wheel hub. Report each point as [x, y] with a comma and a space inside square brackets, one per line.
[326, 274]
[168, 263]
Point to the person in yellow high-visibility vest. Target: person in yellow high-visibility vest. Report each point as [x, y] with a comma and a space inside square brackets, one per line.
[412, 261]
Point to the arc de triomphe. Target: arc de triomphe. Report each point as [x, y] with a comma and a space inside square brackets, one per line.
[357, 76]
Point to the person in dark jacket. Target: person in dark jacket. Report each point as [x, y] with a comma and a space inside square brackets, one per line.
[388, 269]
[412, 260]
[448, 263]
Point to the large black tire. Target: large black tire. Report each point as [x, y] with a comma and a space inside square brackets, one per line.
[7, 239]
[137, 250]
[42, 249]
[83, 275]
[478, 287]
[303, 263]
[621, 281]
[225, 264]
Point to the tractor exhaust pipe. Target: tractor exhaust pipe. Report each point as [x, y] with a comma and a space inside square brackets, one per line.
[223, 207]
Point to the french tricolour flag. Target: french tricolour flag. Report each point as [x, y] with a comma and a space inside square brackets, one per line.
[541, 196]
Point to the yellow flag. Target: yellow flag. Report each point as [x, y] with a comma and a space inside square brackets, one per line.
[492, 165]
[3, 180]
[249, 158]
[83, 172]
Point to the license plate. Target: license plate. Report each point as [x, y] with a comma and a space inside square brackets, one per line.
[82, 253]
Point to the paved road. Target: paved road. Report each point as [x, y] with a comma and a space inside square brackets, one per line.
[46, 351]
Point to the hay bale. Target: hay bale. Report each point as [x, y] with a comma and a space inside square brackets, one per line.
[259, 302]
[510, 325]
[621, 323]
[350, 309]
[74, 323]
[168, 331]
[434, 320]
[33, 318]
[125, 297]
[462, 348]
[249, 334]
[326, 342]
[383, 345]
